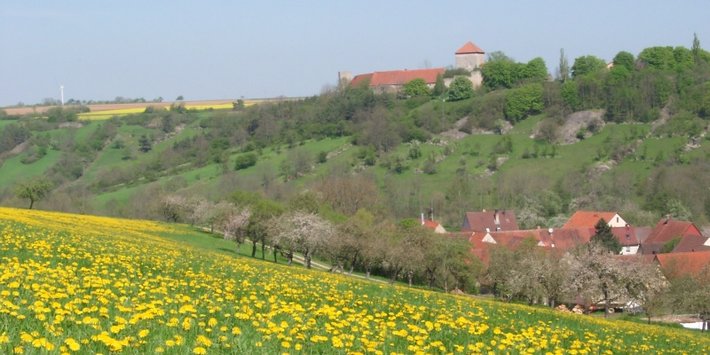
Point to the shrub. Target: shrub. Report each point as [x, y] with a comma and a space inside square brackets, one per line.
[245, 160]
[460, 89]
[523, 101]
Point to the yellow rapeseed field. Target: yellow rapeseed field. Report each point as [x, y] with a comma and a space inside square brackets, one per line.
[85, 284]
[106, 114]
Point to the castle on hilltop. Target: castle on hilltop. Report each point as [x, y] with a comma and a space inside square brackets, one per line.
[469, 57]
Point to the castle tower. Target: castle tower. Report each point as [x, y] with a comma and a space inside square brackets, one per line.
[469, 57]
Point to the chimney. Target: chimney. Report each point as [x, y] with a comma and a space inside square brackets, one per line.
[668, 218]
[552, 240]
[496, 220]
[422, 218]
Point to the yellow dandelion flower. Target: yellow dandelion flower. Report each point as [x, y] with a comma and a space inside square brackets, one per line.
[203, 340]
[72, 344]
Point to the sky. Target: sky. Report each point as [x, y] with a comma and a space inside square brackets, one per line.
[210, 49]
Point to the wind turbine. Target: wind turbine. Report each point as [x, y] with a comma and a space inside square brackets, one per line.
[61, 93]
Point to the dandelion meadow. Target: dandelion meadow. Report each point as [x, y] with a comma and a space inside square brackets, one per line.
[75, 283]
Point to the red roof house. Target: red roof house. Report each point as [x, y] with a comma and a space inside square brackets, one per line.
[433, 225]
[588, 219]
[489, 221]
[669, 231]
[392, 80]
[683, 264]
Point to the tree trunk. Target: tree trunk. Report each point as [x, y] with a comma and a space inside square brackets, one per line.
[263, 251]
[409, 278]
[32, 202]
[275, 260]
[393, 278]
[352, 263]
[606, 303]
[253, 248]
[289, 256]
[367, 272]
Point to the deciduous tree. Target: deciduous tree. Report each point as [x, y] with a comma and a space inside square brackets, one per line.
[586, 65]
[461, 88]
[33, 190]
[416, 87]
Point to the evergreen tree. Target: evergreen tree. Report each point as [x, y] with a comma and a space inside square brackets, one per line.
[696, 46]
[144, 144]
[604, 237]
[563, 69]
[439, 87]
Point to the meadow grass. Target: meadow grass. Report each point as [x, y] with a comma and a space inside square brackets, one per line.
[14, 171]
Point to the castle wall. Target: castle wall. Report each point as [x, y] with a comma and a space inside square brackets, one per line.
[469, 61]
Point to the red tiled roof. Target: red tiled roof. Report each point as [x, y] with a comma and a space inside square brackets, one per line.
[398, 77]
[430, 224]
[626, 236]
[479, 221]
[642, 233]
[588, 219]
[691, 243]
[468, 48]
[358, 79]
[479, 248]
[560, 239]
[665, 231]
[566, 238]
[681, 264]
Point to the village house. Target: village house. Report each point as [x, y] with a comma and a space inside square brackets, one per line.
[674, 236]
[588, 219]
[433, 225]
[487, 221]
[630, 238]
[683, 263]
[469, 57]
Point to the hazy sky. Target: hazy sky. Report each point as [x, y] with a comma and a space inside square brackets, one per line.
[228, 49]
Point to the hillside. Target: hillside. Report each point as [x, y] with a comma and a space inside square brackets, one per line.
[77, 283]
[631, 138]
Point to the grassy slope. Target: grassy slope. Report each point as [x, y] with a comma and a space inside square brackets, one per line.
[189, 277]
[474, 150]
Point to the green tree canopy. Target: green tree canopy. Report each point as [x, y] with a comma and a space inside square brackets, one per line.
[34, 190]
[661, 58]
[535, 70]
[416, 87]
[523, 101]
[586, 65]
[624, 59]
[460, 89]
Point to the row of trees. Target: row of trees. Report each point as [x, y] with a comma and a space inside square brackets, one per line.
[593, 276]
[397, 250]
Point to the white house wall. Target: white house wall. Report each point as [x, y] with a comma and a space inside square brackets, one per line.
[617, 221]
